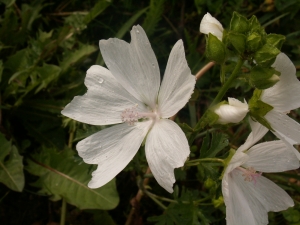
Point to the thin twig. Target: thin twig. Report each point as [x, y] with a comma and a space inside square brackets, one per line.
[204, 70]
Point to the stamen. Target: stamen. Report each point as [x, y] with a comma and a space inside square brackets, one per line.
[251, 175]
[131, 115]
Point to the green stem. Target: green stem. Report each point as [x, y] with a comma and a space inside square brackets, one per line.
[227, 84]
[63, 212]
[204, 121]
[198, 161]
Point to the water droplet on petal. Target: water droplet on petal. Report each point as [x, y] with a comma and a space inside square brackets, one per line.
[138, 31]
[100, 80]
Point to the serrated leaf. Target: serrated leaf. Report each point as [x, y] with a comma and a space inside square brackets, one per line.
[11, 169]
[62, 175]
[217, 143]
[154, 15]
[98, 8]
[72, 58]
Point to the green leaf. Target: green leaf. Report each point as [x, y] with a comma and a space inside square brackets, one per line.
[98, 8]
[62, 175]
[154, 15]
[127, 26]
[74, 57]
[275, 40]
[211, 148]
[11, 166]
[47, 73]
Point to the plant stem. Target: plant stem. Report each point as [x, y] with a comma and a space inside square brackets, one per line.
[227, 84]
[198, 161]
[202, 123]
[63, 212]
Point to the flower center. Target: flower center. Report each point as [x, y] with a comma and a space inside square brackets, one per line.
[250, 174]
[132, 115]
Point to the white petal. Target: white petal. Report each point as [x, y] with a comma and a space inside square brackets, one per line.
[253, 200]
[234, 112]
[112, 149]
[284, 95]
[134, 65]
[258, 131]
[104, 101]
[210, 24]
[238, 159]
[284, 125]
[273, 156]
[289, 142]
[178, 83]
[238, 210]
[166, 148]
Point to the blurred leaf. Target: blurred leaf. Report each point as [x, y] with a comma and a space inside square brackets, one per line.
[11, 166]
[211, 149]
[129, 23]
[74, 57]
[61, 175]
[154, 15]
[48, 73]
[96, 10]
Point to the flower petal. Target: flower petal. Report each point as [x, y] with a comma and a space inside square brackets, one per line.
[233, 112]
[134, 65]
[210, 24]
[238, 210]
[166, 148]
[178, 83]
[273, 156]
[104, 101]
[112, 149]
[258, 131]
[253, 200]
[284, 95]
[284, 125]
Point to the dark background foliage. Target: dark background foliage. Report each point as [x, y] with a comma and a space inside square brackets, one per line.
[46, 48]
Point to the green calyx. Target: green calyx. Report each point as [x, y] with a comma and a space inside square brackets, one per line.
[239, 23]
[263, 77]
[215, 49]
[258, 109]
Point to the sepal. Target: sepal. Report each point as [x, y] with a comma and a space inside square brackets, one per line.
[239, 23]
[263, 78]
[266, 55]
[215, 49]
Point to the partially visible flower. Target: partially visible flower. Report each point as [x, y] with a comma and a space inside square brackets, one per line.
[233, 112]
[283, 97]
[131, 92]
[210, 24]
[248, 195]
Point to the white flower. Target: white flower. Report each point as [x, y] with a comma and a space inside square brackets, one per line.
[131, 92]
[283, 97]
[248, 196]
[210, 24]
[233, 112]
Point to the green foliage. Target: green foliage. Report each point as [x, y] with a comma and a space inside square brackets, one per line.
[61, 175]
[11, 166]
[211, 147]
[45, 51]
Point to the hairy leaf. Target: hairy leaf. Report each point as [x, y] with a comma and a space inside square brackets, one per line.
[62, 175]
[11, 166]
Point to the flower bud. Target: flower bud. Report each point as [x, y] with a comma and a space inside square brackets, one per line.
[211, 25]
[239, 23]
[215, 49]
[233, 112]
